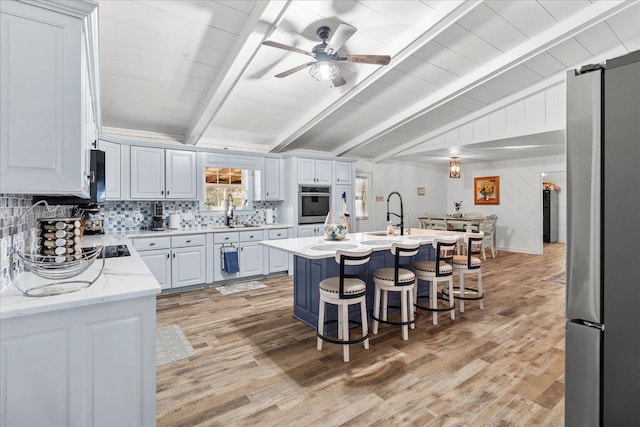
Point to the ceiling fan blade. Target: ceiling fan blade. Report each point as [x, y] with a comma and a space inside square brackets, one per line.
[294, 69]
[339, 37]
[366, 59]
[286, 47]
[338, 80]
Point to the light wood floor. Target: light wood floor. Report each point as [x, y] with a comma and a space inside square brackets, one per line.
[257, 365]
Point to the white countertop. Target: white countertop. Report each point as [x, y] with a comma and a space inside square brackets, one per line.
[122, 278]
[319, 247]
[196, 230]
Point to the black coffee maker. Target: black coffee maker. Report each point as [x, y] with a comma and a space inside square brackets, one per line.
[158, 218]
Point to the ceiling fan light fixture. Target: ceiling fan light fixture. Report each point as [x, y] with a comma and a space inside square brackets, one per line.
[454, 168]
[324, 70]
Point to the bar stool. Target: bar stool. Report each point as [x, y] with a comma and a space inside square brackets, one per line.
[469, 264]
[396, 279]
[436, 271]
[343, 291]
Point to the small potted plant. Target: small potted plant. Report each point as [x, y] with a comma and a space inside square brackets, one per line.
[208, 205]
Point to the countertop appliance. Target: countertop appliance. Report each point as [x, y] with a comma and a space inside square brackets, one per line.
[93, 222]
[158, 218]
[602, 375]
[314, 203]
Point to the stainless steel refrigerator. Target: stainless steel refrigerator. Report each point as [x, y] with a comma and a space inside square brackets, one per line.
[602, 375]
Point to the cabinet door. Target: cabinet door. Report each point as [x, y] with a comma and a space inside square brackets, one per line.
[218, 273]
[323, 172]
[306, 171]
[41, 147]
[309, 230]
[181, 174]
[272, 179]
[159, 262]
[250, 259]
[147, 173]
[343, 173]
[188, 266]
[112, 169]
[278, 260]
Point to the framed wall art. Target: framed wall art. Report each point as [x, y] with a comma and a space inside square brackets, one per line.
[486, 190]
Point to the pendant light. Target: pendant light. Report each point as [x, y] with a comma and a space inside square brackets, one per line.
[454, 168]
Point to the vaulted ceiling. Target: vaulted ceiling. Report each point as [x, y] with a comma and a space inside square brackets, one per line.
[197, 72]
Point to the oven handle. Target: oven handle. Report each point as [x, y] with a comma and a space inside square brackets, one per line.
[315, 194]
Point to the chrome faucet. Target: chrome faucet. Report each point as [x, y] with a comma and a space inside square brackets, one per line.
[401, 215]
[229, 209]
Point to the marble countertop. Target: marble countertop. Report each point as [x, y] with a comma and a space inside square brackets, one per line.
[122, 278]
[196, 230]
[319, 247]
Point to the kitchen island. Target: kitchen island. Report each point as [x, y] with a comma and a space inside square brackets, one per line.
[82, 358]
[314, 261]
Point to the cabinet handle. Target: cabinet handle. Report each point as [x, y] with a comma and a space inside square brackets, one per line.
[167, 192]
[251, 237]
[168, 256]
[174, 255]
[152, 244]
[189, 241]
[226, 238]
[279, 234]
[162, 192]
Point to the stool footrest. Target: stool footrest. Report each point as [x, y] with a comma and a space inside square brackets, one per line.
[390, 322]
[338, 341]
[472, 298]
[442, 298]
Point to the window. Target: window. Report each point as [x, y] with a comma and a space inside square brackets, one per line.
[362, 196]
[220, 182]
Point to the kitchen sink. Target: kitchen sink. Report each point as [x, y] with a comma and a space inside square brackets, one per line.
[377, 242]
[334, 247]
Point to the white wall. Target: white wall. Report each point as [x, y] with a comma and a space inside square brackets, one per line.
[404, 179]
[519, 212]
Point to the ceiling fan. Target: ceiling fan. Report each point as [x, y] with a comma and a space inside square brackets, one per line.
[326, 55]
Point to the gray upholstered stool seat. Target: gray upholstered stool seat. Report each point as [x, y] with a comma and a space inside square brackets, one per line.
[387, 274]
[351, 286]
[430, 267]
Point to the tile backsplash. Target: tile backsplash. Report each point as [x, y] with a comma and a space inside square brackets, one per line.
[116, 216]
[137, 215]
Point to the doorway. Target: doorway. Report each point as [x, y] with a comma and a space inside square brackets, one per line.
[556, 182]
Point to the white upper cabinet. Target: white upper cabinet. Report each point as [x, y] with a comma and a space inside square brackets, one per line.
[314, 171]
[48, 67]
[157, 174]
[267, 180]
[147, 173]
[180, 174]
[113, 170]
[344, 173]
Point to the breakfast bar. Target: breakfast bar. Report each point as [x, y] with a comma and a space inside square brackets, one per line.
[314, 261]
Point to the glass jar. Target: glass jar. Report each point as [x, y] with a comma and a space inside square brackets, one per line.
[335, 226]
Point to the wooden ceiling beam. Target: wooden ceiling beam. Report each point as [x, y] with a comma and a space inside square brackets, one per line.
[555, 35]
[264, 18]
[445, 15]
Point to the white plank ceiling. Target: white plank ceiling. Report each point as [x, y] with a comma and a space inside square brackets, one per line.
[196, 72]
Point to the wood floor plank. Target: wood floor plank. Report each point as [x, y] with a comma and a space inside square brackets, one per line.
[254, 364]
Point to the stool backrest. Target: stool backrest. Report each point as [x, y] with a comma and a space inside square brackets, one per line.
[351, 258]
[473, 243]
[444, 247]
[400, 250]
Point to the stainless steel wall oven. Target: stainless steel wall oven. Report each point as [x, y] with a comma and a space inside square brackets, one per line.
[314, 204]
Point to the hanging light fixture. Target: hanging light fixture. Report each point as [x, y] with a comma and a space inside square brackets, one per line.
[454, 168]
[324, 70]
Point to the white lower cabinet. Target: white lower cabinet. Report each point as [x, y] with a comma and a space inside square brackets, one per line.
[251, 252]
[159, 262]
[278, 260]
[174, 261]
[310, 230]
[84, 366]
[228, 241]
